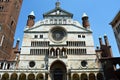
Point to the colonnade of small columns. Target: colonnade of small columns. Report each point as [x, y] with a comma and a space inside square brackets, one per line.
[7, 65]
[65, 52]
[46, 43]
[54, 52]
[58, 21]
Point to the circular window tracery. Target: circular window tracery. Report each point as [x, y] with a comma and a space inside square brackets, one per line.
[31, 63]
[84, 63]
[58, 34]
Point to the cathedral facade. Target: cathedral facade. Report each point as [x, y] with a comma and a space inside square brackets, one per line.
[59, 48]
[56, 48]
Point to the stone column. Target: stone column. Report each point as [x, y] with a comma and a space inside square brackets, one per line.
[52, 53]
[13, 65]
[3, 66]
[63, 53]
[71, 76]
[0, 66]
[6, 65]
[67, 76]
[49, 76]
[58, 53]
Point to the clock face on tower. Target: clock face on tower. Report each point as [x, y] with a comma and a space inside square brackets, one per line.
[58, 34]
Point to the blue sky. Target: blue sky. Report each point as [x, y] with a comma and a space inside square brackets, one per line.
[100, 12]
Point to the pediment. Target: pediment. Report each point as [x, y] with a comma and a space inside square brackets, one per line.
[58, 12]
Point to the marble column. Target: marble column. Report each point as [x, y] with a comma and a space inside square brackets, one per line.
[3, 65]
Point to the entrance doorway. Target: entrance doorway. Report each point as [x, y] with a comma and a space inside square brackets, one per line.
[58, 71]
[58, 74]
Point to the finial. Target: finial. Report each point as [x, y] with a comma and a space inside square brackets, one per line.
[100, 37]
[84, 15]
[97, 47]
[100, 41]
[18, 39]
[106, 40]
[105, 34]
[31, 19]
[32, 13]
[57, 4]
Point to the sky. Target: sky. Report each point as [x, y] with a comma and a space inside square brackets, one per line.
[100, 13]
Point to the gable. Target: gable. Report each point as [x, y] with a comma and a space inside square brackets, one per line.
[58, 12]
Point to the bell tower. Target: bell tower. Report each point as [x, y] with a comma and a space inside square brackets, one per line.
[9, 13]
[85, 21]
[31, 18]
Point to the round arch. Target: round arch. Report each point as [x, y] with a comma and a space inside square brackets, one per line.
[22, 76]
[64, 50]
[100, 76]
[52, 52]
[75, 77]
[84, 76]
[92, 76]
[5, 76]
[58, 51]
[14, 76]
[31, 76]
[39, 76]
[58, 70]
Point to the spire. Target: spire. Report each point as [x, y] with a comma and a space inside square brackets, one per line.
[57, 4]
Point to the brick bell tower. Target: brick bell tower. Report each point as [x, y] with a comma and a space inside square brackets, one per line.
[9, 12]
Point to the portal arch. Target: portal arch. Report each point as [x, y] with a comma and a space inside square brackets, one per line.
[58, 70]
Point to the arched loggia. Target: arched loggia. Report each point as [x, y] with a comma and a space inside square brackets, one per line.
[92, 76]
[14, 76]
[22, 76]
[75, 77]
[39, 77]
[84, 76]
[31, 76]
[5, 76]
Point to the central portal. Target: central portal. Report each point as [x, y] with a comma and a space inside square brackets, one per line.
[58, 74]
[58, 71]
